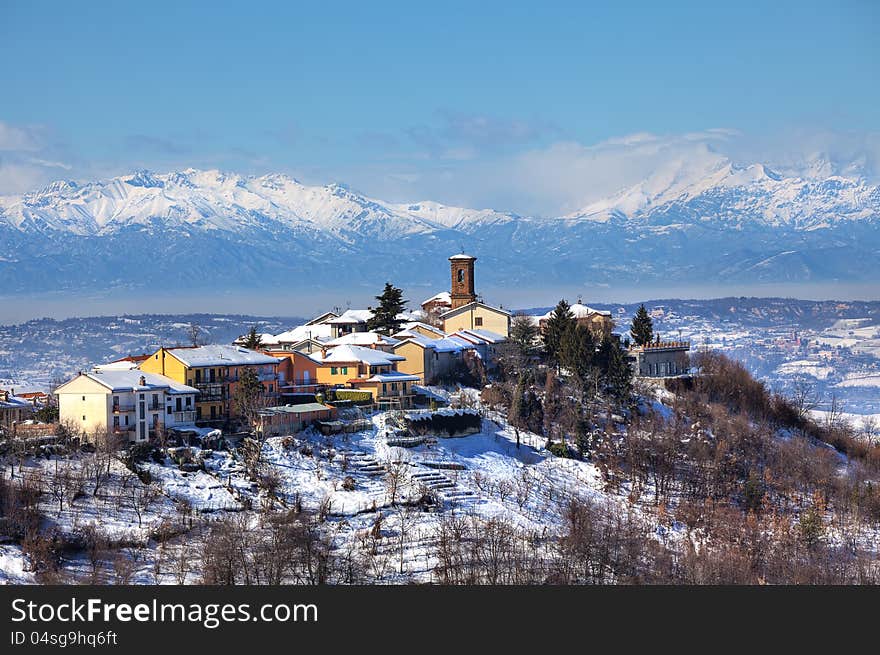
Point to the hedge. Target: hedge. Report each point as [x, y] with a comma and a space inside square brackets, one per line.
[355, 395]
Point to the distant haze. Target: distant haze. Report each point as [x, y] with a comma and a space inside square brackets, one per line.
[306, 303]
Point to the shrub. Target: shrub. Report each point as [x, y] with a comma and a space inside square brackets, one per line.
[357, 396]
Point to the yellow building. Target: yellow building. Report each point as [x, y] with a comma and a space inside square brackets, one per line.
[429, 359]
[214, 370]
[369, 369]
[477, 316]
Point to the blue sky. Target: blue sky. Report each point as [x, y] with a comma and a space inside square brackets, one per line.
[408, 101]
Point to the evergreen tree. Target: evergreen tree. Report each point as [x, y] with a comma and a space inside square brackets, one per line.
[619, 374]
[642, 329]
[391, 303]
[249, 396]
[560, 322]
[254, 339]
[523, 333]
[577, 351]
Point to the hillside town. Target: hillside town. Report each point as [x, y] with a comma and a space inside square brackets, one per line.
[457, 442]
[281, 383]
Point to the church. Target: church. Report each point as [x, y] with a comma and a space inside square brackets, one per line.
[460, 309]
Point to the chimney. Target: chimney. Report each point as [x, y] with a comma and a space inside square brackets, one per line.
[323, 352]
[143, 381]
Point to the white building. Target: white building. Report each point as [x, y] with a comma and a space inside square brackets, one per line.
[125, 402]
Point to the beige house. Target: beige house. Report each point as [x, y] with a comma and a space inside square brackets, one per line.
[429, 358]
[598, 321]
[131, 404]
[477, 316]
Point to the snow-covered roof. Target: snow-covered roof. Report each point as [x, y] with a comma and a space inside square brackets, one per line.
[346, 353]
[318, 331]
[220, 355]
[393, 376]
[14, 402]
[443, 296]
[462, 255]
[352, 316]
[580, 311]
[412, 325]
[304, 408]
[476, 336]
[119, 380]
[322, 318]
[118, 365]
[363, 339]
[443, 345]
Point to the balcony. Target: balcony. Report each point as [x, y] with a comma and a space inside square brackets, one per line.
[123, 409]
[188, 416]
[210, 391]
[122, 429]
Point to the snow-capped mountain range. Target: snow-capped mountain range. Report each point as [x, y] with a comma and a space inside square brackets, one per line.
[207, 228]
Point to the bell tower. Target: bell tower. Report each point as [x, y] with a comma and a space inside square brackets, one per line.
[462, 289]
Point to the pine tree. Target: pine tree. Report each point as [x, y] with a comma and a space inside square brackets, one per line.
[523, 333]
[576, 353]
[391, 304]
[619, 374]
[254, 339]
[560, 322]
[642, 329]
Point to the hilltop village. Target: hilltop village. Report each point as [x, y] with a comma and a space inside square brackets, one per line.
[273, 384]
[455, 442]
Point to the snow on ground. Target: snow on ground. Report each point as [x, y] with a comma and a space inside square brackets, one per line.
[14, 566]
[123, 508]
[857, 380]
[806, 367]
[199, 490]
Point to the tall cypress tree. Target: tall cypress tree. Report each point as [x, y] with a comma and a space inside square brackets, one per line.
[391, 303]
[642, 329]
[560, 322]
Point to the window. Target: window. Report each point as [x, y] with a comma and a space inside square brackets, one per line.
[189, 401]
[84, 398]
[84, 418]
[271, 388]
[345, 370]
[332, 370]
[478, 321]
[461, 276]
[199, 413]
[169, 409]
